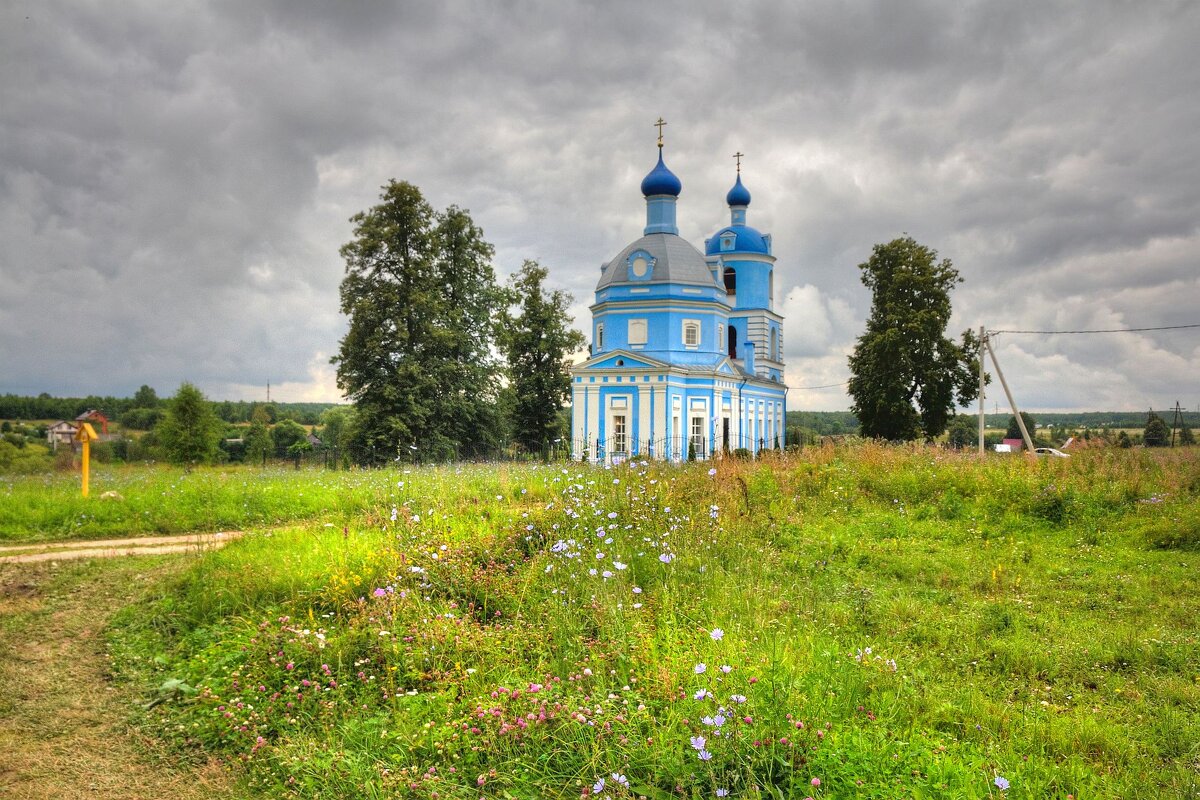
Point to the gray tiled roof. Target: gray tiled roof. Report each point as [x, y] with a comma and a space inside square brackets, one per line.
[676, 261]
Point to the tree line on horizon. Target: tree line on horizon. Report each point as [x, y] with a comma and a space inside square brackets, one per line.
[148, 407]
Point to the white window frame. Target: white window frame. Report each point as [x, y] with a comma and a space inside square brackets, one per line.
[620, 433]
[698, 437]
[692, 324]
[637, 332]
[600, 337]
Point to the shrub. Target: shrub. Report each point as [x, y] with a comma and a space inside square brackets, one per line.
[1174, 534]
[23, 460]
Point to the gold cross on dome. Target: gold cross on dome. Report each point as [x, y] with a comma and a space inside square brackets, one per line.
[659, 125]
[739, 157]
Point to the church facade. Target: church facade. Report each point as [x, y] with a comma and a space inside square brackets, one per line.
[687, 348]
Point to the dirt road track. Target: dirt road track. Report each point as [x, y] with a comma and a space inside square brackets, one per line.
[113, 548]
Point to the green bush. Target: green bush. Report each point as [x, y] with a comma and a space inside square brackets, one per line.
[25, 460]
[1176, 533]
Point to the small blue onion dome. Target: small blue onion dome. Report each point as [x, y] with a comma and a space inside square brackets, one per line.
[739, 195]
[661, 180]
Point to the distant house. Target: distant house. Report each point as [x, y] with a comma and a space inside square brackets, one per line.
[61, 432]
[92, 415]
[314, 440]
[1015, 445]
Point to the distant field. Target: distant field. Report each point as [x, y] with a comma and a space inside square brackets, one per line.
[163, 499]
[858, 622]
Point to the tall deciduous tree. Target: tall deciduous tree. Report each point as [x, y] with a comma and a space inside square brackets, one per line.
[259, 443]
[145, 397]
[538, 340]
[287, 433]
[907, 377]
[964, 431]
[1014, 430]
[335, 426]
[190, 431]
[418, 358]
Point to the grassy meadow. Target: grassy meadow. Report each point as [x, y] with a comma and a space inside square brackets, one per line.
[128, 500]
[864, 622]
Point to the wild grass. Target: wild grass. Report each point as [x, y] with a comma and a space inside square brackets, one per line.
[132, 500]
[868, 622]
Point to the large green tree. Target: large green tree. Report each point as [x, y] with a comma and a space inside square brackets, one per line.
[963, 431]
[335, 426]
[145, 397]
[418, 360]
[538, 341]
[190, 430]
[1013, 431]
[906, 376]
[287, 433]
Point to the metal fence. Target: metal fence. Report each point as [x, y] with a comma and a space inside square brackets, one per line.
[611, 450]
[616, 449]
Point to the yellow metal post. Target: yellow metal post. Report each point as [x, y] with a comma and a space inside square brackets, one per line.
[86, 434]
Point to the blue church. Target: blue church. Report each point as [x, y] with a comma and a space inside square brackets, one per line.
[687, 347]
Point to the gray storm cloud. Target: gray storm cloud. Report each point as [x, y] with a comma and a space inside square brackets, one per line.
[176, 179]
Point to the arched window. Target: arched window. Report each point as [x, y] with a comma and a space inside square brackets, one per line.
[732, 342]
[774, 346]
[730, 280]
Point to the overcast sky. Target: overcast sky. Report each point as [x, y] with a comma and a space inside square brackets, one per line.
[176, 177]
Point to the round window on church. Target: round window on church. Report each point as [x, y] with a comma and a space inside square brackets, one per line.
[620, 362]
[640, 266]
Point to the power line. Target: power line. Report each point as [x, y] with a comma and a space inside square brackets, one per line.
[1106, 330]
[1044, 333]
[826, 386]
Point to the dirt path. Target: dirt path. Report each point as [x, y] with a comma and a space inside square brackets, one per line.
[111, 548]
[63, 733]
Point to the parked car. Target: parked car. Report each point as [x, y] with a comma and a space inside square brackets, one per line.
[1050, 451]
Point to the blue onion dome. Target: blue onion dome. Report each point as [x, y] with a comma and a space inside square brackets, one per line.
[661, 180]
[739, 195]
[741, 239]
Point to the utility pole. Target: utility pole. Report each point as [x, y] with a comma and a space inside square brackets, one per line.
[982, 339]
[1176, 421]
[1013, 403]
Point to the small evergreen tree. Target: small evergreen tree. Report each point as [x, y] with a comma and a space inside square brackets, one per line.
[190, 431]
[1185, 434]
[1157, 434]
[1123, 440]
